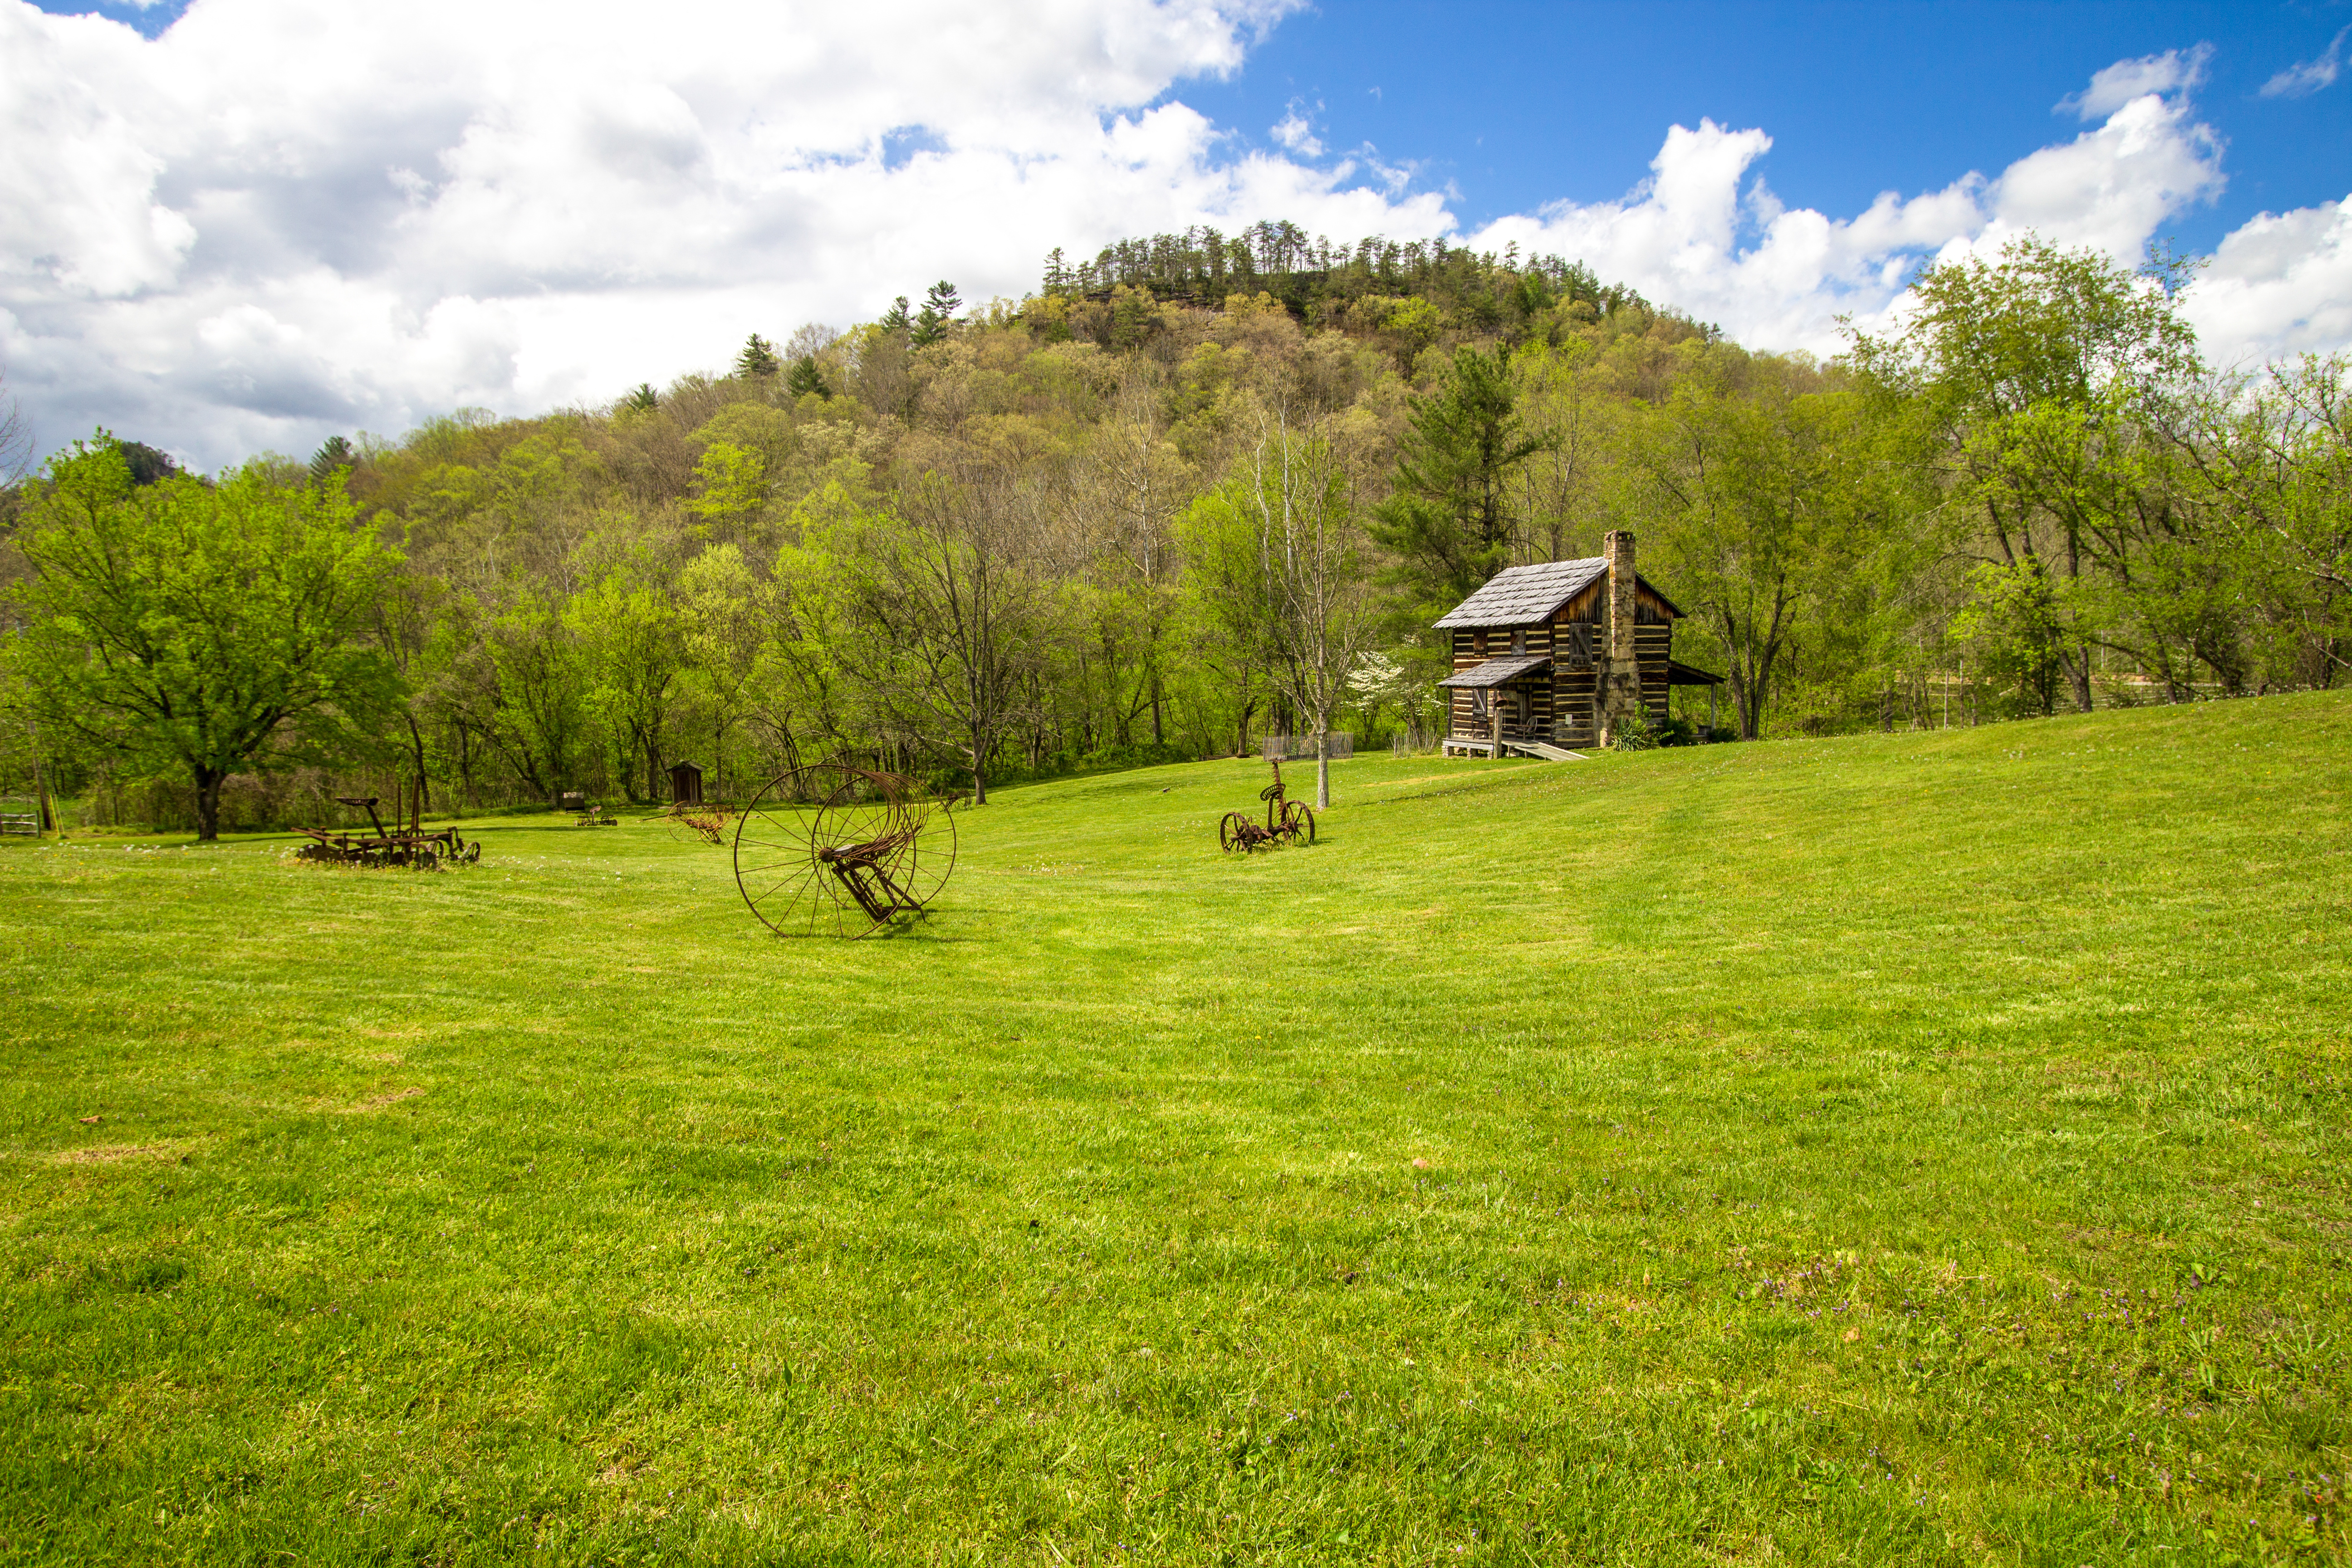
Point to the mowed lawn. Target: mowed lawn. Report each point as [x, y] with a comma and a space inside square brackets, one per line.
[1918, 1148]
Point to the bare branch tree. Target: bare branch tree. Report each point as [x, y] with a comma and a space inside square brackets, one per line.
[953, 613]
[1282, 551]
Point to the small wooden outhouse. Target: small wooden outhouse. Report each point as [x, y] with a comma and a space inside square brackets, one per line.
[1555, 655]
[686, 785]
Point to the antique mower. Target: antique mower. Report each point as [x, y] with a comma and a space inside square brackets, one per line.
[835, 851]
[412, 848]
[1287, 820]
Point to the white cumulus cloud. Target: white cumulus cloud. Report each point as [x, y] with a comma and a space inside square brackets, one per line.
[2306, 76]
[279, 220]
[2175, 70]
[1778, 277]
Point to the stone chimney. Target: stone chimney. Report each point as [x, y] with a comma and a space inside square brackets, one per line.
[1620, 675]
[1617, 549]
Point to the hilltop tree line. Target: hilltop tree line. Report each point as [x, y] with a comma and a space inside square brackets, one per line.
[1197, 490]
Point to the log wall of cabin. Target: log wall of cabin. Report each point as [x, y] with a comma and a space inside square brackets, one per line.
[1472, 649]
[1561, 707]
[1468, 655]
[1574, 690]
[1653, 640]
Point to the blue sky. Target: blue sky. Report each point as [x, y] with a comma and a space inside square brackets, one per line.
[251, 223]
[1515, 106]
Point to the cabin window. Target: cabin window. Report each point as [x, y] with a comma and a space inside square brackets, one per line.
[1519, 642]
[1478, 703]
[1478, 644]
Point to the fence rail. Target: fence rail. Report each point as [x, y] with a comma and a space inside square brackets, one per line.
[1290, 748]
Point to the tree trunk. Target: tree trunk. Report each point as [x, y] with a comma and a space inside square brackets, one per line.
[2077, 666]
[208, 788]
[1322, 769]
[416, 750]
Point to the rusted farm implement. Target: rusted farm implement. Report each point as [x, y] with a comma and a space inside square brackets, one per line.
[694, 822]
[1287, 820]
[834, 850]
[411, 846]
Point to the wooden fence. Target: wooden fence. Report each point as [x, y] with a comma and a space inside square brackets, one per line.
[1291, 748]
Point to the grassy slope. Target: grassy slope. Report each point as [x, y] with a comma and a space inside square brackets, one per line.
[1918, 1148]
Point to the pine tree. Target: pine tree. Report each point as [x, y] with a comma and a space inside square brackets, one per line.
[758, 360]
[333, 453]
[939, 306]
[1446, 516]
[896, 320]
[804, 377]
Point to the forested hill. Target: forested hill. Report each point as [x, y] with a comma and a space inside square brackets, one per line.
[1375, 286]
[1198, 491]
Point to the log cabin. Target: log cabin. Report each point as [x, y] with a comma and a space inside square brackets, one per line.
[1554, 656]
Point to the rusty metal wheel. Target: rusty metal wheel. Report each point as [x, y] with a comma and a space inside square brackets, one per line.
[1298, 823]
[1232, 833]
[834, 850]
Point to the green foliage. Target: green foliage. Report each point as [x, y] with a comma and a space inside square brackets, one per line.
[203, 627]
[1776, 499]
[1412, 289]
[335, 455]
[2161, 535]
[632, 638]
[732, 482]
[939, 306]
[147, 465]
[806, 377]
[1447, 518]
[1634, 732]
[2053, 376]
[2014, 631]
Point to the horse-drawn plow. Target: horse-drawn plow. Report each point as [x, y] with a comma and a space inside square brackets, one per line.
[411, 848]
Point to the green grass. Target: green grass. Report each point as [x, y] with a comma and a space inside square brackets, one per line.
[1910, 1148]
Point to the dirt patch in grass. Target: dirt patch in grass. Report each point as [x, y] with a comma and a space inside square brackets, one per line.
[380, 1101]
[108, 1153]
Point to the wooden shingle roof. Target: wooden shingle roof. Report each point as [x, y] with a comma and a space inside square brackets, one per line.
[1495, 671]
[1523, 596]
[1528, 595]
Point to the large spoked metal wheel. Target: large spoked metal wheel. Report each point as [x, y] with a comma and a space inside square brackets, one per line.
[834, 850]
[1298, 822]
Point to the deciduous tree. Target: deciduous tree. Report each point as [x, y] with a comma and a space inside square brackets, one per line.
[213, 628]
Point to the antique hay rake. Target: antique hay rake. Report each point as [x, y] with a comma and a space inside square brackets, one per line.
[835, 851]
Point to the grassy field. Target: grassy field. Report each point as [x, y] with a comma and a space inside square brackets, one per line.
[1906, 1149]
